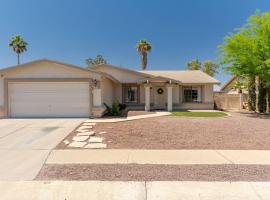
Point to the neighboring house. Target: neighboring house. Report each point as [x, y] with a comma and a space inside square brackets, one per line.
[229, 86]
[46, 88]
[229, 98]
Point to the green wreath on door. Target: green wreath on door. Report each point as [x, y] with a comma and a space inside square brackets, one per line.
[160, 91]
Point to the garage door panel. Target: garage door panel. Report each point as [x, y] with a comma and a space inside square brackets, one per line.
[20, 97]
[60, 99]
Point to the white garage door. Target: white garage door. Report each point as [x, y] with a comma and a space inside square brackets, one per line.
[49, 99]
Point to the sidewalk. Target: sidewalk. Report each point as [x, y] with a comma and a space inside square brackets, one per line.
[111, 120]
[96, 190]
[173, 157]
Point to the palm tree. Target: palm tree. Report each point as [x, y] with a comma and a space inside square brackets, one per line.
[194, 65]
[99, 59]
[210, 68]
[143, 47]
[18, 45]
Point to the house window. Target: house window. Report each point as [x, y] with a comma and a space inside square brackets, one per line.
[192, 94]
[131, 94]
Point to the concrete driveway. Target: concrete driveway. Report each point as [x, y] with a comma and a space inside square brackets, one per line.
[26, 143]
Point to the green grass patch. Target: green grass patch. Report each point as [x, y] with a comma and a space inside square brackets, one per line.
[199, 114]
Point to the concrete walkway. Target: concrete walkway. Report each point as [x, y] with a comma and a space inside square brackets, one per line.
[174, 157]
[96, 190]
[157, 114]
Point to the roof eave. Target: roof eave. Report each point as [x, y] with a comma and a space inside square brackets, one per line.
[10, 68]
[123, 69]
[159, 79]
[228, 83]
[214, 83]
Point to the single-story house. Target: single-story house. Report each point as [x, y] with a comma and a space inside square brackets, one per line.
[46, 88]
[229, 97]
[229, 86]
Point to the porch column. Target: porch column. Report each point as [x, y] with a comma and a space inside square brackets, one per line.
[169, 97]
[147, 97]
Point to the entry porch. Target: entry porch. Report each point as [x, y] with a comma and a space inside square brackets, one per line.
[160, 94]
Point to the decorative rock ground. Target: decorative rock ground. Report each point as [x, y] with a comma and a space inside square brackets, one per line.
[95, 140]
[77, 144]
[80, 138]
[102, 132]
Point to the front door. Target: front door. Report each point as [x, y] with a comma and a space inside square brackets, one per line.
[159, 98]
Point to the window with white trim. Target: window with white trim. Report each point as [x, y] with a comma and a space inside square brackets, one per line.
[131, 94]
[191, 94]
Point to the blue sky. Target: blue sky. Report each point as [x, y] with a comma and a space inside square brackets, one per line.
[70, 31]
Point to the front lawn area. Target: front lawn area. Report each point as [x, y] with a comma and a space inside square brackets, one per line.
[199, 114]
[169, 132]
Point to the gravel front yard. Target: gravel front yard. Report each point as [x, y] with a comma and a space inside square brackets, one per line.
[240, 131]
[133, 172]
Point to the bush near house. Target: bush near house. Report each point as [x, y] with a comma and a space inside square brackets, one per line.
[116, 109]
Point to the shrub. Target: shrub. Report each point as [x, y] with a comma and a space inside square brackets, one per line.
[117, 109]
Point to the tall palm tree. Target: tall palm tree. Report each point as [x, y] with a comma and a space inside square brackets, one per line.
[18, 45]
[143, 47]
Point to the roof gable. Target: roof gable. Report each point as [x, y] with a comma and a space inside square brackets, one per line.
[41, 61]
[140, 73]
[227, 84]
[74, 68]
[121, 74]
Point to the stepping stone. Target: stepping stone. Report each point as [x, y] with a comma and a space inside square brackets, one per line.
[95, 146]
[89, 133]
[102, 132]
[66, 142]
[80, 138]
[89, 124]
[95, 140]
[82, 130]
[77, 144]
[85, 127]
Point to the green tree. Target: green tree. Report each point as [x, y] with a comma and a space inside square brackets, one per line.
[210, 68]
[143, 47]
[239, 86]
[194, 65]
[18, 45]
[247, 51]
[99, 59]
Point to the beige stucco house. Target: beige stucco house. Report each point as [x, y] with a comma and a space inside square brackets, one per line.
[229, 86]
[230, 98]
[46, 88]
